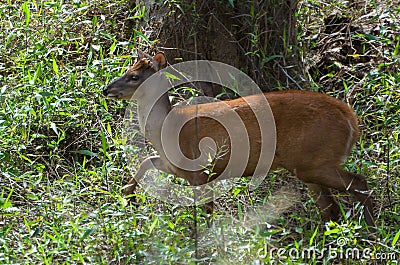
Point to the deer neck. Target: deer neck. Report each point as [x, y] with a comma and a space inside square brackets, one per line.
[151, 118]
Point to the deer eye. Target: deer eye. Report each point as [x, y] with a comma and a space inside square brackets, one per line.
[134, 77]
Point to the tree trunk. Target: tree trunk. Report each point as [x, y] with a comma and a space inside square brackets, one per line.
[258, 37]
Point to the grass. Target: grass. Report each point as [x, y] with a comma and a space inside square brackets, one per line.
[62, 159]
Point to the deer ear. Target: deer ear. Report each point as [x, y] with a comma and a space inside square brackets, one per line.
[160, 59]
[142, 55]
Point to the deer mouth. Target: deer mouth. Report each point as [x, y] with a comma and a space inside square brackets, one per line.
[111, 95]
[116, 94]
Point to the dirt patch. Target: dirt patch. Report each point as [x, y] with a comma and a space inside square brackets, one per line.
[350, 44]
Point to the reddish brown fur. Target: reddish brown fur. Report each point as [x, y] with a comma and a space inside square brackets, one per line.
[142, 65]
[298, 145]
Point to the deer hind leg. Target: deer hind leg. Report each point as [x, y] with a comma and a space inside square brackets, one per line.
[341, 180]
[326, 202]
[357, 185]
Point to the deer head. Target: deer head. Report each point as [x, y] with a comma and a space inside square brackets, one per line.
[125, 86]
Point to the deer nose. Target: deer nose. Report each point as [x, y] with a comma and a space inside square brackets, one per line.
[105, 91]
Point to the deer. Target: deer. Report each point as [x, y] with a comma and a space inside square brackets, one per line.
[315, 133]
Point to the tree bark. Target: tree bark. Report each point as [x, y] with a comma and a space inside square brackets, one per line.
[258, 37]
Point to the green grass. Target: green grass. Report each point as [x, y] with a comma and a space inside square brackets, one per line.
[62, 159]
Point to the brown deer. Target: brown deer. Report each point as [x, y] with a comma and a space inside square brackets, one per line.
[314, 134]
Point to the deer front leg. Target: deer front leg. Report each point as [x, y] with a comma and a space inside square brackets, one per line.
[152, 162]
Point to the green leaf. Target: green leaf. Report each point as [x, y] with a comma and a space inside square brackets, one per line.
[171, 76]
[55, 66]
[240, 212]
[27, 11]
[333, 231]
[24, 157]
[371, 37]
[104, 143]
[140, 34]
[37, 73]
[104, 104]
[86, 153]
[272, 57]
[32, 196]
[396, 49]
[113, 47]
[5, 203]
[153, 225]
[171, 225]
[109, 129]
[313, 236]
[107, 35]
[87, 233]
[46, 94]
[396, 238]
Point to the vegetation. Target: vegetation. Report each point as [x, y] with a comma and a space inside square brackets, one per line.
[63, 161]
